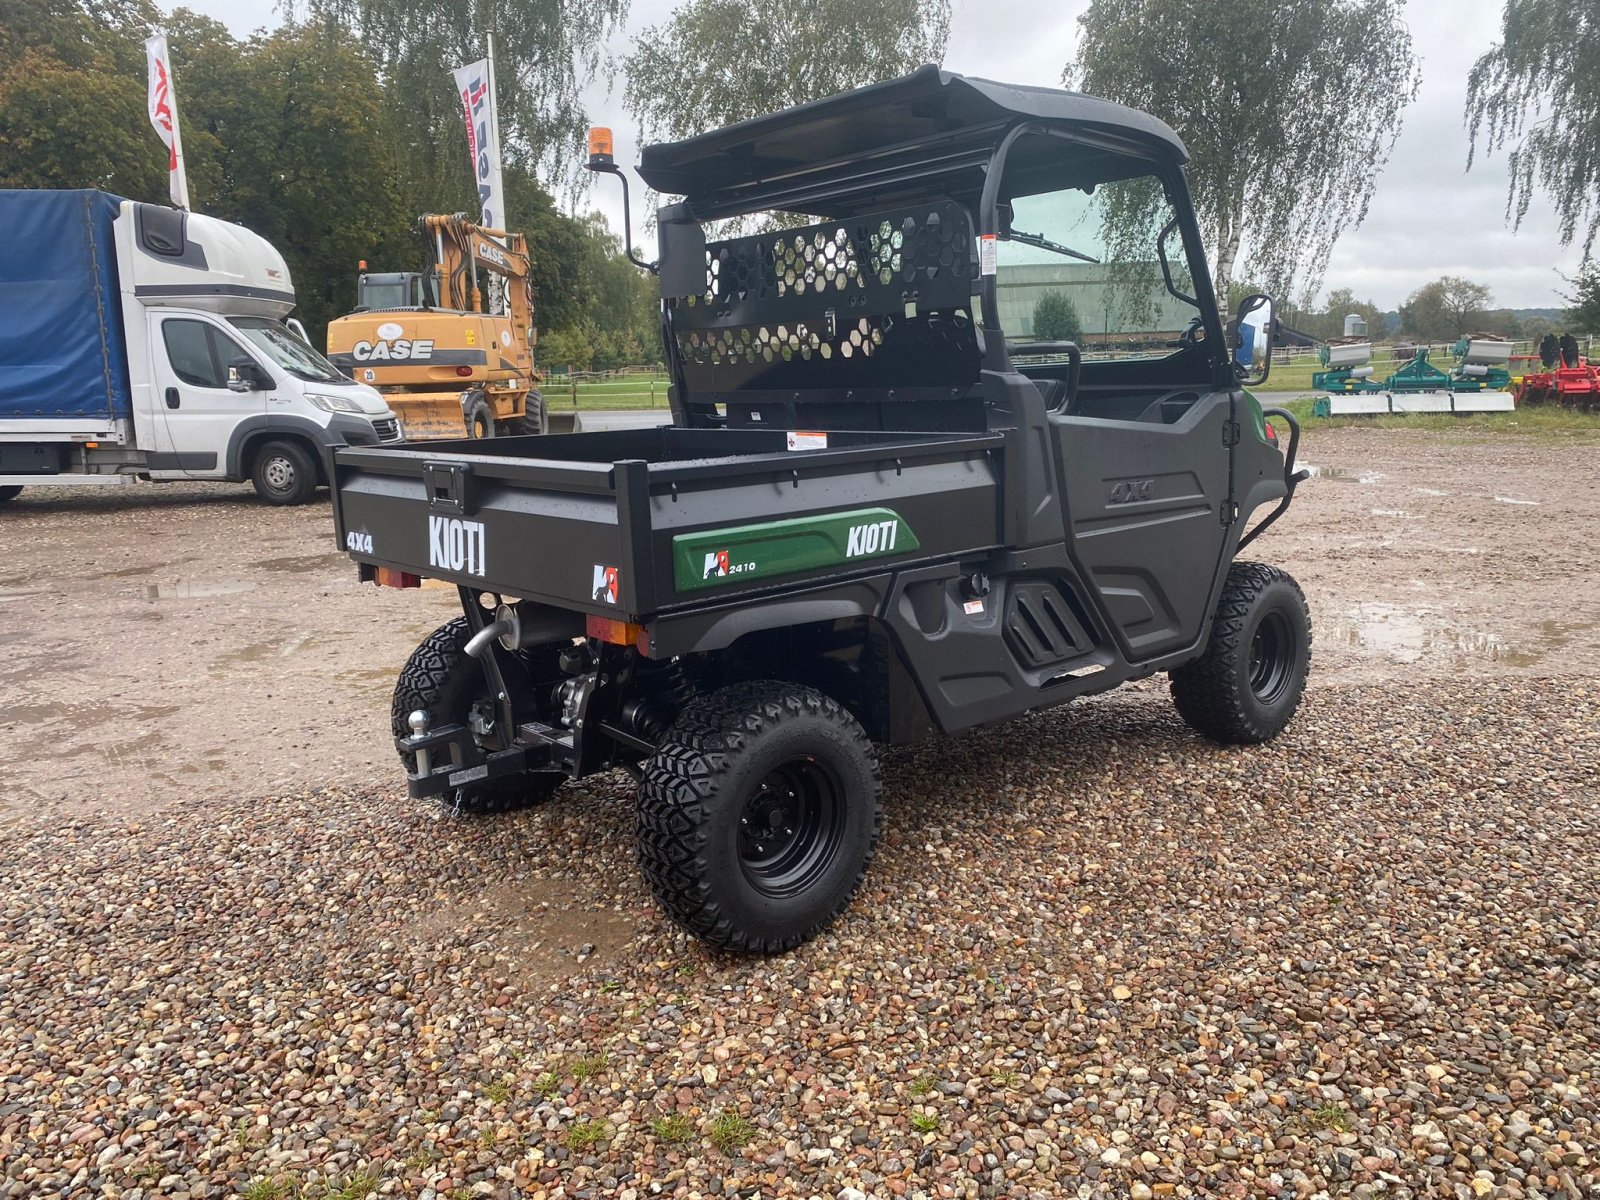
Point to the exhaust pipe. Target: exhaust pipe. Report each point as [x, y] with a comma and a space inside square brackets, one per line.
[518, 626]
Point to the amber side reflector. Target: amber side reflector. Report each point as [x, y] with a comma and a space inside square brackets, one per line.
[390, 577]
[599, 145]
[91, 445]
[618, 633]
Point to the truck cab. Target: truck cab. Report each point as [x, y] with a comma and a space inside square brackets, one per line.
[178, 362]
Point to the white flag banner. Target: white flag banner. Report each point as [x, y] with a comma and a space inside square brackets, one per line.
[475, 83]
[163, 109]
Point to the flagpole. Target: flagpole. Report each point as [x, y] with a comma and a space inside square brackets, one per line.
[494, 121]
[182, 172]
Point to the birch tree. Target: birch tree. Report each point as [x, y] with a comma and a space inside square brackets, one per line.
[1289, 109]
[1536, 95]
[714, 62]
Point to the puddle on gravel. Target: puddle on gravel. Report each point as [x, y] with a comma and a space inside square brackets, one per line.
[1341, 474]
[302, 564]
[1409, 635]
[1513, 500]
[197, 589]
[85, 713]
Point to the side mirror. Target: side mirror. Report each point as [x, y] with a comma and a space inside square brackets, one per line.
[245, 376]
[1252, 332]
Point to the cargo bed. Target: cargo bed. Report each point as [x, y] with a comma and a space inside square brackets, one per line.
[631, 523]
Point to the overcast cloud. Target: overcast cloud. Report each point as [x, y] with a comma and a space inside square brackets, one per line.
[1429, 216]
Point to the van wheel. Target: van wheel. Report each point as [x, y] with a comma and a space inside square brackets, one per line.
[758, 815]
[10, 492]
[533, 419]
[1247, 685]
[284, 473]
[437, 679]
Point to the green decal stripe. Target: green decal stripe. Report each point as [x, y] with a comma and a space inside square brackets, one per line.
[718, 557]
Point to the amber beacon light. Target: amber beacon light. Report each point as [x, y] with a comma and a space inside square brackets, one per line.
[600, 154]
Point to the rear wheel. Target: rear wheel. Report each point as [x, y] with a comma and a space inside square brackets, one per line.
[284, 473]
[437, 680]
[10, 492]
[758, 815]
[1247, 685]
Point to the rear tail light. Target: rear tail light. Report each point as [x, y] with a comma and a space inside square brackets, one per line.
[464, 372]
[395, 578]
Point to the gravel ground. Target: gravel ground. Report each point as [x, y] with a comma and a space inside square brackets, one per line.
[1095, 956]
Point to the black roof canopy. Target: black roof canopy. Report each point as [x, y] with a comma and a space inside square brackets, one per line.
[930, 131]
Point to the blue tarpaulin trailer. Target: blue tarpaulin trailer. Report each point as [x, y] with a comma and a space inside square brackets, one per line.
[62, 351]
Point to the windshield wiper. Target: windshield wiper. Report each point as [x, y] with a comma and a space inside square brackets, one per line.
[1044, 243]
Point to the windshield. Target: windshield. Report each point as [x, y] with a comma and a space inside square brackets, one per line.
[288, 351]
[1086, 266]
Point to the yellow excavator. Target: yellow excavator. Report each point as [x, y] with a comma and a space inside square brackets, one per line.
[424, 339]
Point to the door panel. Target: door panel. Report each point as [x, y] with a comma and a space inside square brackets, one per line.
[190, 356]
[1145, 502]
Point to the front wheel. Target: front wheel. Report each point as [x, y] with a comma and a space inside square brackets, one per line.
[10, 492]
[758, 815]
[1247, 685]
[533, 420]
[284, 473]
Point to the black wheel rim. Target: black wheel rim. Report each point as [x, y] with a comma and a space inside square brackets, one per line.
[791, 827]
[1272, 657]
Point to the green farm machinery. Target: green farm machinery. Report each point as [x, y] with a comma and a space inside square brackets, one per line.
[1476, 382]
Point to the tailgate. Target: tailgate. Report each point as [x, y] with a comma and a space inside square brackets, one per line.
[528, 528]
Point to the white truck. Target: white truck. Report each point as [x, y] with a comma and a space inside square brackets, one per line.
[140, 341]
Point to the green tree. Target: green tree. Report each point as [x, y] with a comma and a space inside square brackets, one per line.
[1288, 109]
[714, 62]
[1536, 94]
[1584, 314]
[545, 51]
[294, 116]
[1328, 321]
[1445, 309]
[1055, 319]
[72, 98]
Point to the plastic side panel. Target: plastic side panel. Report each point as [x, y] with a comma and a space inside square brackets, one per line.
[1146, 511]
[855, 518]
[61, 341]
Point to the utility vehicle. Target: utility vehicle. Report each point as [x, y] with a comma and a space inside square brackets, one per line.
[875, 516]
[139, 341]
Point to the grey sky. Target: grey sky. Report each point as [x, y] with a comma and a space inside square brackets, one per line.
[1429, 216]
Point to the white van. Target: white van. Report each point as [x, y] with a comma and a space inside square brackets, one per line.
[139, 341]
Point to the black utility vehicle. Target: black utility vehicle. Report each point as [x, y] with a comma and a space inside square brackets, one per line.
[886, 507]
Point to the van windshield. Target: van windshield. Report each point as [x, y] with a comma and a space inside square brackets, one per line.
[288, 351]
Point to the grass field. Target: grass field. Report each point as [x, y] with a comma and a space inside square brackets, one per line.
[618, 392]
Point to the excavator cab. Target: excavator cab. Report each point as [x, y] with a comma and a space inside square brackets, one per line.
[390, 289]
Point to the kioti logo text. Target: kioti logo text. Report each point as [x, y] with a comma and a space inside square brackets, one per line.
[878, 537]
[455, 545]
